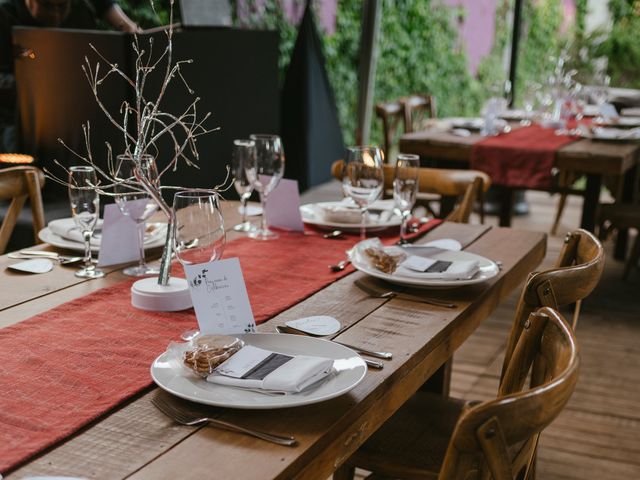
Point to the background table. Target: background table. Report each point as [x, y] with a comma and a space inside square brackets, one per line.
[136, 441]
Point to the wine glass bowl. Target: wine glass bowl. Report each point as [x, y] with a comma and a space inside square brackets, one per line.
[199, 226]
[364, 179]
[136, 203]
[85, 209]
[264, 173]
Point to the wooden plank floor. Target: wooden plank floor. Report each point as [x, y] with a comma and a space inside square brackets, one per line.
[598, 435]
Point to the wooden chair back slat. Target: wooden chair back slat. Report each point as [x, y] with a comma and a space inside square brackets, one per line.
[16, 185]
[499, 437]
[468, 185]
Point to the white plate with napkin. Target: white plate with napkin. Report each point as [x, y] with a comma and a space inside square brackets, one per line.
[428, 267]
[63, 233]
[348, 370]
[345, 215]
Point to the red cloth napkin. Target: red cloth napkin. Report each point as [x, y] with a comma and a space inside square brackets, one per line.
[68, 366]
[522, 158]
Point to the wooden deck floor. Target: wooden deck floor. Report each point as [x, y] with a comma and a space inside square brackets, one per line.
[598, 435]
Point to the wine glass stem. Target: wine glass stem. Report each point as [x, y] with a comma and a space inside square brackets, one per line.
[263, 204]
[86, 234]
[141, 229]
[363, 221]
[243, 203]
[403, 226]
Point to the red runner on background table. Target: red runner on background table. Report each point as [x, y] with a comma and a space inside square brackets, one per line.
[68, 366]
[522, 158]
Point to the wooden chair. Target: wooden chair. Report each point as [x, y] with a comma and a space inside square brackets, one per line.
[456, 440]
[405, 110]
[622, 216]
[574, 276]
[16, 185]
[467, 185]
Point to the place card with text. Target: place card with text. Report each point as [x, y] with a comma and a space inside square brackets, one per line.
[219, 297]
[119, 237]
[283, 206]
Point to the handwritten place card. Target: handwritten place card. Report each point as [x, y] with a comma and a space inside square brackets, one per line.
[119, 242]
[220, 297]
[283, 206]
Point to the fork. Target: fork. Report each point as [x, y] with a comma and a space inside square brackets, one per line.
[61, 259]
[184, 417]
[374, 292]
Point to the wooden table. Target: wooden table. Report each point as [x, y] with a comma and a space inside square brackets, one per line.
[138, 442]
[595, 159]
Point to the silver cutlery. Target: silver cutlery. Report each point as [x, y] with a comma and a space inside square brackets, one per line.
[185, 417]
[61, 259]
[364, 351]
[333, 234]
[338, 267]
[377, 293]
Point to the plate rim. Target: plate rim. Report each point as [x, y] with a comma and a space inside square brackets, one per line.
[67, 245]
[273, 406]
[346, 226]
[427, 282]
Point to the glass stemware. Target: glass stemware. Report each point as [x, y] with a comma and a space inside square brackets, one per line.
[405, 188]
[199, 226]
[199, 231]
[85, 208]
[136, 203]
[243, 155]
[264, 174]
[364, 179]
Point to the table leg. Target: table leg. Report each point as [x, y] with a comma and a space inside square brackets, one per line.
[506, 205]
[591, 201]
[440, 381]
[629, 183]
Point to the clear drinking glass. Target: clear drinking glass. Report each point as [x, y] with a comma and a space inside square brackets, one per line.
[243, 155]
[199, 231]
[136, 203]
[364, 179]
[85, 208]
[264, 174]
[405, 188]
[199, 227]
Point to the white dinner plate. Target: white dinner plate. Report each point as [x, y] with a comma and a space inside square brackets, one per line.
[171, 376]
[621, 122]
[311, 215]
[488, 269]
[516, 114]
[607, 134]
[47, 236]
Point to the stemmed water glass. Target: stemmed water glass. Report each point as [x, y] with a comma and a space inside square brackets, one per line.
[364, 179]
[265, 173]
[85, 208]
[243, 155]
[199, 231]
[135, 203]
[405, 188]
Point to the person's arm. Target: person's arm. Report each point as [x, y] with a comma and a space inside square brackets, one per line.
[119, 20]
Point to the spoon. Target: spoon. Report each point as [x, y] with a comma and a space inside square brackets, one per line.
[334, 234]
[340, 266]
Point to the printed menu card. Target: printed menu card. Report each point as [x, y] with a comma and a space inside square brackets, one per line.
[220, 297]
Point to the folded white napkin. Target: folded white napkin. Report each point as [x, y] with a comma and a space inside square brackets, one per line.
[255, 368]
[347, 211]
[424, 267]
[66, 228]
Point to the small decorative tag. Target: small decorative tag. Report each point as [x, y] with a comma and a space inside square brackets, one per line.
[283, 207]
[119, 242]
[220, 297]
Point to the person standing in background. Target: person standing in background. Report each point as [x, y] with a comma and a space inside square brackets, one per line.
[75, 14]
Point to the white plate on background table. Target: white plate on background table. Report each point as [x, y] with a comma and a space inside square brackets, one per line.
[488, 268]
[171, 376]
[312, 214]
[607, 134]
[47, 236]
[620, 122]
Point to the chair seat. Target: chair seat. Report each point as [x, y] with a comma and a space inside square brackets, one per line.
[413, 442]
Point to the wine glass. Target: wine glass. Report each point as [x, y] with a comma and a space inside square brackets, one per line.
[243, 155]
[199, 231]
[199, 227]
[364, 179]
[136, 203]
[85, 208]
[405, 188]
[265, 173]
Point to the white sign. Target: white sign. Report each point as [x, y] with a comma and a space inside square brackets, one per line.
[119, 238]
[283, 206]
[220, 297]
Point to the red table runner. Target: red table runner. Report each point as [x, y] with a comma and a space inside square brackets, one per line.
[522, 158]
[66, 367]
